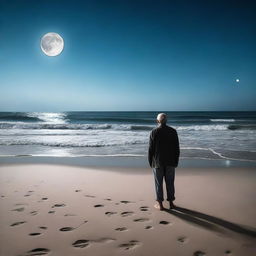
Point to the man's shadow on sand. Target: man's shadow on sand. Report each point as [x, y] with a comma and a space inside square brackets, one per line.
[210, 222]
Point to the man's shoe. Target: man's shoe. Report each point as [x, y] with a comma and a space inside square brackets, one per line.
[172, 205]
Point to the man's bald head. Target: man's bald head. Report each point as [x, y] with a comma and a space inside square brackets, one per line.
[161, 118]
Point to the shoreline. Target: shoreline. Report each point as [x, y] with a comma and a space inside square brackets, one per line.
[121, 161]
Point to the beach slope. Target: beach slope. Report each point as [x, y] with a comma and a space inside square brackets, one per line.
[64, 210]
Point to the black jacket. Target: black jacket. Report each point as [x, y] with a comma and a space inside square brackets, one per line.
[164, 147]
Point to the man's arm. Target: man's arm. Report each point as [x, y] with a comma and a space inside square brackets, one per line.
[177, 148]
[151, 149]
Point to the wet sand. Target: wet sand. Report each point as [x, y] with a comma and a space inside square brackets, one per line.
[66, 210]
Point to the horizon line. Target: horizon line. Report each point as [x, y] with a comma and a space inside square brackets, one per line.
[131, 111]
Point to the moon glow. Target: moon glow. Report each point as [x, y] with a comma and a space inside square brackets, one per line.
[237, 80]
[52, 44]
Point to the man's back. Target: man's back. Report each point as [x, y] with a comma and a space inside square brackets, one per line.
[163, 147]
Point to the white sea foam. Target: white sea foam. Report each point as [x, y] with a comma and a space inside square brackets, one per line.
[52, 126]
[207, 149]
[218, 127]
[223, 120]
[215, 152]
[68, 126]
[123, 134]
[87, 140]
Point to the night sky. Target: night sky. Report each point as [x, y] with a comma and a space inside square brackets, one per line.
[129, 55]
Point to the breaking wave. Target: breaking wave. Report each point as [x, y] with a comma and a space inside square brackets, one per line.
[202, 134]
[72, 144]
[68, 126]
[223, 120]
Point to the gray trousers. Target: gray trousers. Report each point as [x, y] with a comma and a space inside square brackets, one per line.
[168, 173]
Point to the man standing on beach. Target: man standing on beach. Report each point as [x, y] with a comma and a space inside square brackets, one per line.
[163, 157]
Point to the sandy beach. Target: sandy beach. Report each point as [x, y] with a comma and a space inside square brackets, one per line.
[93, 94]
[66, 210]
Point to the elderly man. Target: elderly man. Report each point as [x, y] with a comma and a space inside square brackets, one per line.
[163, 157]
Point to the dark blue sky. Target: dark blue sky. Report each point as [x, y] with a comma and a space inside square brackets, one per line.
[128, 55]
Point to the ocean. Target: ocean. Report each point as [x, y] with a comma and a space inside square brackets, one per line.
[202, 135]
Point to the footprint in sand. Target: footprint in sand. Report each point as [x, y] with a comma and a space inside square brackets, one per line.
[33, 213]
[43, 227]
[64, 229]
[144, 208]
[81, 243]
[17, 223]
[130, 245]
[69, 214]
[67, 229]
[98, 205]
[21, 204]
[182, 239]
[38, 251]
[108, 199]
[34, 234]
[29, 193]
[43, 199]
[126, 202]
[227, 252]
[125, 214]
[163, 222]
[78, 190]
[51, 212]
[110, 213]
[21, 209]
[58, 205]
[121, 229]
[199, 253]
[84, 243]
[141, 220]
[90, 196]
[148, 227]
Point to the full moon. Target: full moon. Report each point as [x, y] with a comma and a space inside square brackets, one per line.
[52, 44]
[237, 80]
